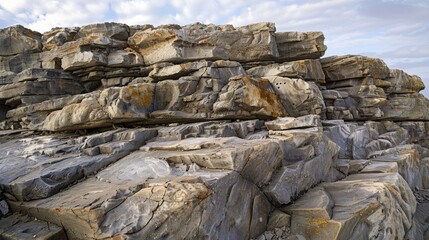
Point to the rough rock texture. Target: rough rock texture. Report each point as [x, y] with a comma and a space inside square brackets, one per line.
[300, 45]
[309, 70]
[327, 211]
[172, 43]
[23, 227]
[363, 88]
[18, 39]
[201, 131]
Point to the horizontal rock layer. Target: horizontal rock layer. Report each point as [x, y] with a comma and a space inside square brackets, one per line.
[112, 131]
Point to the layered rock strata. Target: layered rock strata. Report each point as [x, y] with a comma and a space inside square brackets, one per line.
[201, 131]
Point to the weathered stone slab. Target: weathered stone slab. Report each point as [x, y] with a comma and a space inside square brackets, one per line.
[408, 158]
[364, 91]
[404, 83]
[300, 45]
[307, 207]
[309, 157]
[340, 134]
[58, 36]
[16, 227]
[116, 104]
[298, 96]
[299, 144]
[417, 130]
[286, 123]
[255, 160]
[40, 167]
[48, 87]
[31, 74]
[117, 31]
[199, 41]
[360, 138]
[333, 94]
[248, 97]
[344, 167]
[369, 80]
[122, 58]
[83, 59]
[219, 69]
[191, 98]
[278, 219]
[353, 66]
[20, 62]
[46, 106]
[18, 39]
[390, 139]
[84, 52]
[369, 205]
[406, 107]
[136, 28]
[310, 70]
[381, 167]
[241, 129]
[4, 207]
[138, 197]
[171, 71]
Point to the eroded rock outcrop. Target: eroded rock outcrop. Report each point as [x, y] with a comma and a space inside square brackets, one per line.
[201, 131]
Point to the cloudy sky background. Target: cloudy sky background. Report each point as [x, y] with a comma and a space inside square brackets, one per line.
[395, 30]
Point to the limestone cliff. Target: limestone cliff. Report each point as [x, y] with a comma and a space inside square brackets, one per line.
[201, 131]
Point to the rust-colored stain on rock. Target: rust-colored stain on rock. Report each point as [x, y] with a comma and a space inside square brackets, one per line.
[268, 100]
[142, 94]
[316, 226]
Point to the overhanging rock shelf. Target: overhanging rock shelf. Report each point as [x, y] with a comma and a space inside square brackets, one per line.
[206, 132]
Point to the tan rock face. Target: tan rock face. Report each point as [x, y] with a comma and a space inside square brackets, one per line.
[404, 83]
[199, 41]
[298, 96]
[254, 42]
[407, 107]
[291, 123]
[372, 205]
[249, 97]
[350, 66]
[366, 89]
[310, 70]
[111, 30]
[300, 45]
[105, 108]
[17, 39]
[58, 36]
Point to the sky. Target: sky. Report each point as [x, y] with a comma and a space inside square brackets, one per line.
[395, 30]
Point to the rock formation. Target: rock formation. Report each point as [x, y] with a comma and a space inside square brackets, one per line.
[112, 131]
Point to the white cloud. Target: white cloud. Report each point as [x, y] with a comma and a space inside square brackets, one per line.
[15, 6]
[44, 15]
[406, 29]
